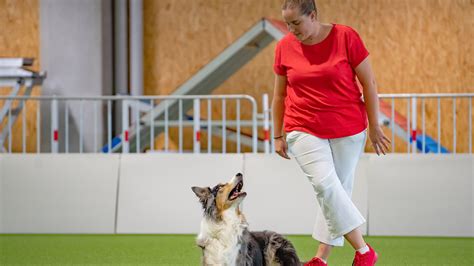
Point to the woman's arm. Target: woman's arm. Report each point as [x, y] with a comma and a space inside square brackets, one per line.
[278, 110]
[367, 78]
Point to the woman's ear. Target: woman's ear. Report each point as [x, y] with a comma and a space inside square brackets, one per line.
[314, 15]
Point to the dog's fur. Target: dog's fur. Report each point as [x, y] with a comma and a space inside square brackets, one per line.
[224, 237]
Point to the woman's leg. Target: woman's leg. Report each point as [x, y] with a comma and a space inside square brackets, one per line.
[355, 238]
[324, 250]
[315, 158]
[346, 152]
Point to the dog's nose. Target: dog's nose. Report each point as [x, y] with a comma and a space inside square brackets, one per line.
[238, 175]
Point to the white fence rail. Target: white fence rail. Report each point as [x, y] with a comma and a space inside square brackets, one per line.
[424, 123]
[94, 122]
[427, 121]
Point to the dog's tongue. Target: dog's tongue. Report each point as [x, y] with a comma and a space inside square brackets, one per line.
[235, 195]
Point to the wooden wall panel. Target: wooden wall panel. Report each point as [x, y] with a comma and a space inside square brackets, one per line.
[182, 36]
[19, 33]
[421, 46]
[19, 37]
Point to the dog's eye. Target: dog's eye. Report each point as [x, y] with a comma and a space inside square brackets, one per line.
[216, 189]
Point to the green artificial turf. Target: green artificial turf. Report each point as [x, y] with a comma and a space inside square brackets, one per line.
[181, 250]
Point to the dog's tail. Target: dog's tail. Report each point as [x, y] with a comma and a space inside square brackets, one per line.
[280, 250]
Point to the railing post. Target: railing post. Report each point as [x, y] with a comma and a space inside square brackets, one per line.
[180, 126]
[125, 129]
[109, 125]
[10, 131]
[254, 127]
[197, 126]
[266, 124]
[392, 124]
[23, 127]
[413, 124]
[238, 135]
[96, 134]
[224, 126]
[136, 119]
[454, 125]
[166, 125]
[209, 126]
[470, 124]
[152, 125]
[66, 127]
[439, 125]
[423, 130]
[54, 126]
[38, 127]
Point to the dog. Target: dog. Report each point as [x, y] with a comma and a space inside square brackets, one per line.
[224, 236]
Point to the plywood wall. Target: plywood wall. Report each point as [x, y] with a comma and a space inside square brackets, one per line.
[19, 37]
[416, 46]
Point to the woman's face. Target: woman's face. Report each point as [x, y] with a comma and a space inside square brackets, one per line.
[300, 25]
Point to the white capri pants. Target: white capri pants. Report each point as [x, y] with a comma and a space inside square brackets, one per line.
[330, 165]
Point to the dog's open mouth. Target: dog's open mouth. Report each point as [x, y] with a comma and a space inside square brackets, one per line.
[236, 191]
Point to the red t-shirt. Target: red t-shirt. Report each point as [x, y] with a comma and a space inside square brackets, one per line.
[323, 97]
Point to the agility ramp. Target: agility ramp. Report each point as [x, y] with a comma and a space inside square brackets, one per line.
[220, 69]
[208, 78]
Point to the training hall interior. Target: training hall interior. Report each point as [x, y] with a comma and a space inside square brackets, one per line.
[111, 110]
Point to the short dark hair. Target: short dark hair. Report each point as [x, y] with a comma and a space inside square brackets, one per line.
[305, 6]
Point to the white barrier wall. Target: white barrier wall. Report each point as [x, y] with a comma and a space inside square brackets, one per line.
[280, 197]
[421, 195]
[52, 193]
[399, 194]
[155, 193]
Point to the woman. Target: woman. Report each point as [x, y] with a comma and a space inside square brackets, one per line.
[317, 99]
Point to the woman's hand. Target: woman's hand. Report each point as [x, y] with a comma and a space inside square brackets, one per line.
[281, 147]
[379, 141]
[366, 77]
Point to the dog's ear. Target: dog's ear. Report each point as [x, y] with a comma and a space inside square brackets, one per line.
[202, 192]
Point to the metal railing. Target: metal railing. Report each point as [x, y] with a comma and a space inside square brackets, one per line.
[93, 121]
[412, 127]
[423, 123]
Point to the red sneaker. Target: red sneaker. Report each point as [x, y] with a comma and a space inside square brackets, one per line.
[369, 258]
[315, 262]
